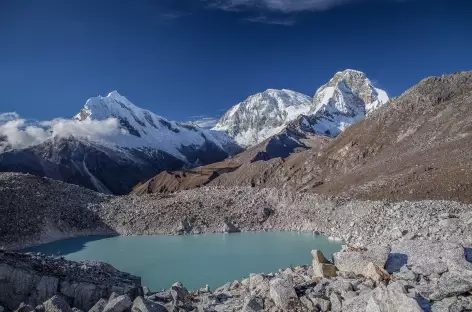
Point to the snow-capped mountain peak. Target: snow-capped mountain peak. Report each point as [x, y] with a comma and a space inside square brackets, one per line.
[143, 129]
[262, 115]
[347, 97]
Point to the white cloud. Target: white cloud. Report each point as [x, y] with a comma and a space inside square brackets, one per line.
[4, 117]
[15, 133]
[204, 121]
[284, 6]
[271, 21]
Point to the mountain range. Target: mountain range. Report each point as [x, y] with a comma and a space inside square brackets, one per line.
[268, 125]
[415, 147]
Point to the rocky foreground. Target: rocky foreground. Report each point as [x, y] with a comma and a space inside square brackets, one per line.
[406, 256]
[407, 276]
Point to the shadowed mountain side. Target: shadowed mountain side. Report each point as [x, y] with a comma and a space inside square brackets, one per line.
[290, 140]
[37, 210]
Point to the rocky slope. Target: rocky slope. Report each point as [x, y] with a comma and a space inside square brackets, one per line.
[416, 147]
[144, 145]
[213, 209]
[276, 124]
[414, 255]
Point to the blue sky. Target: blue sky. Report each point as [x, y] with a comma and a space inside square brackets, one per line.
[185, 58]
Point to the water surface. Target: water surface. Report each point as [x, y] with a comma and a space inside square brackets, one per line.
[195, 260]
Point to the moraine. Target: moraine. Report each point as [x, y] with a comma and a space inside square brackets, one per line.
[195, 260]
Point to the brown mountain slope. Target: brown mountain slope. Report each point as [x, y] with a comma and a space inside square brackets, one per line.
[291, 140]
[417, 146]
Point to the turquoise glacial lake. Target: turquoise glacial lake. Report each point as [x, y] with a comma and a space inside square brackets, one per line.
[195, 260]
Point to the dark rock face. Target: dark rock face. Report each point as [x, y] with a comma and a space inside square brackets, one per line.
[102, 168]
[90, 165]
[34, 278]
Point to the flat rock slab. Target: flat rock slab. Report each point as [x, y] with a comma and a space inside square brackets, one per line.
[357, 261]
[427, 257]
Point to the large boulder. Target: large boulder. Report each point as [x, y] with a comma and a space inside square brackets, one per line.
[391, 299]
[427, 257]
[283, 294]
[357, 260]
[99, 305]
[253, 304]
[56, 304]
[118, 304]
[375, 273]
[449, 284]
[34, 278]
[322, 267]
[144, 305]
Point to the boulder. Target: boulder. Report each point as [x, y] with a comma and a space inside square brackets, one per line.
[99, 305]
[405, 274]
[321, 303]
[427, 257]
[35, 278]
[56, 304]
[356, 261]
[2, 309]
[144, 305]
[178, 292]
[24, 308]
[118, 304]
[451, 304]
[253, 304]
[335, 299]
[258, 284]
[283, 294]
[322, 267]
[375, 273]
[391, 299]
[76, 310]
[449, 284]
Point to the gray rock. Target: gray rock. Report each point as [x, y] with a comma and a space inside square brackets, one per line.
[76, 310]
[99, 305]
[35, 278]
[144, 305]
[357, 261]
[258, 284]
[321, 266]
[339, 286]
[451, 304]
[283, 294]
[253, 304]
[405, 274]
[391, 299]
[321, 303]
[358, 303]
[451, 222]
[427, 257]
[336, 305]
[179, 292]
[24, 308]
[38, 308]
[375, 273]
[2, 309]
[118, 304]
[450, 284]
[307, 303]
[56, 304]
[163, 296]
[146, 291]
